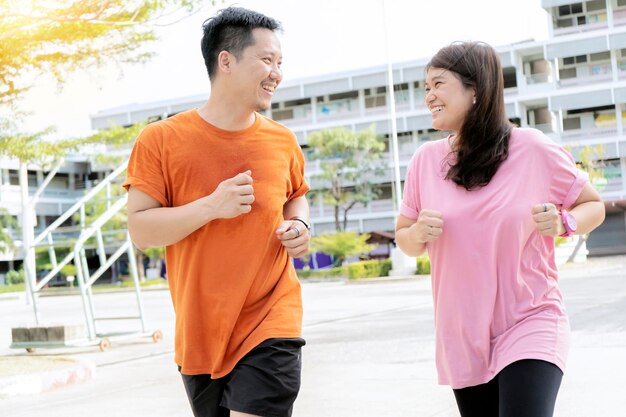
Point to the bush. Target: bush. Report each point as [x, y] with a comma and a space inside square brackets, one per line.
[14, 277]
[338, 271]
[423, 266]
[69, 270]
[369, 269]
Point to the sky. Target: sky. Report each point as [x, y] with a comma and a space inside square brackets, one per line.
[319, 37]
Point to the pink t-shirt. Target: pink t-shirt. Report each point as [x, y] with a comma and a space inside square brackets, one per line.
[494, 277]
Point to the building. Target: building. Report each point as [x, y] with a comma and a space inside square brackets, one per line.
[77, 175]
[571, 86]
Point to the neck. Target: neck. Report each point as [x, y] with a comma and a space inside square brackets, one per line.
[453, 141]
[226, 112]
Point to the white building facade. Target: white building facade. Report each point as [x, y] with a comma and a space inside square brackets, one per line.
[571, 86]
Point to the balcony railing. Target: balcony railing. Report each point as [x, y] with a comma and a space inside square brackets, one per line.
[619, 17]
[582, 134]
[538, 78]
[585, 74]
[337, 109]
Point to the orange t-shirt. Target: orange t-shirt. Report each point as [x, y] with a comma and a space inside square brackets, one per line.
[231, 281]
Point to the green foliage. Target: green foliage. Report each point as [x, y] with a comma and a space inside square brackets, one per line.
[559, 240]
[341, 245]
[155, 253]
[591, 160]
[59, 36]
[422, 265]
[338, 271]
[69, 270]
[14, 277]
[147, 283]
[369, 269]
[39, 149]
[97, 206]
[349, 161]
[10, 288]
[6, 222]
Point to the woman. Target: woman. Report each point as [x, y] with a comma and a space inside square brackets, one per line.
[487, 203]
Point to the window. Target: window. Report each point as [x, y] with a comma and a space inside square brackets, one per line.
[570, 9]
[300, 102]
[621, 3]
[571, 124]
[571, 60]
[401, 87]
[375, 91]
[600, 56]
[595, 5]
[342, 96]
[375, 97]
[285, 114]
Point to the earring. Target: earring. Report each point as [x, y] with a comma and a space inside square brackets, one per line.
[474, 102]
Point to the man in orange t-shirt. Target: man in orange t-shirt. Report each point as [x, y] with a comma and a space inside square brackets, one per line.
[223, 188]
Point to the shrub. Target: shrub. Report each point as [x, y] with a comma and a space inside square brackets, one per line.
[338, 271]
[14, 277]
[423, 266]
[69, 270]
[369, 269]
[341, 245]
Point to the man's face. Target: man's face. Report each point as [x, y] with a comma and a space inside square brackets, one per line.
[256, 74]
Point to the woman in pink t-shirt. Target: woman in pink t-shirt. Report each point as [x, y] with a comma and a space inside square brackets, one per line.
[487, 203]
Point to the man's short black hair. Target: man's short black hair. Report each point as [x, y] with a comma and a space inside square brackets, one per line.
[231, 30]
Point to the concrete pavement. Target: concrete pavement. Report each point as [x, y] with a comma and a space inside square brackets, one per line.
[369, 353]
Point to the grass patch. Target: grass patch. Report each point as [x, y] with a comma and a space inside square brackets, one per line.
[11, 288]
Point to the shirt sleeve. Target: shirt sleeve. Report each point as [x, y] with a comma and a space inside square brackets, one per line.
[410, 207]
[145, 170]
[566, 180]
[299, 186]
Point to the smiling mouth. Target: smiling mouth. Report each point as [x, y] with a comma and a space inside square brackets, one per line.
[269, 89]
[436, 109]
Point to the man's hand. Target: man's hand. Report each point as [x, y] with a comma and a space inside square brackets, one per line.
[232, 197]
[294, 237]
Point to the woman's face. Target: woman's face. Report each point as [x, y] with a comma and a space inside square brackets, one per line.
[448, 100]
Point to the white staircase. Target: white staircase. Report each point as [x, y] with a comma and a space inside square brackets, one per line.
[67, 245]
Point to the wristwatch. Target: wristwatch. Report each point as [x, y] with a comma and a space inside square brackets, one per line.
[569, 222]
[301, 220]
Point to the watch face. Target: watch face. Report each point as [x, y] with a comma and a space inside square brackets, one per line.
[571, 222]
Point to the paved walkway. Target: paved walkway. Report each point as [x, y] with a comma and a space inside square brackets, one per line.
[369, 353]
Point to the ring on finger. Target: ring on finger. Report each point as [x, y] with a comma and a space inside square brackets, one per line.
[545, 207]
[297, 232]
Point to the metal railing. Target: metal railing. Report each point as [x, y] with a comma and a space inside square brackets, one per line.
[82, 238]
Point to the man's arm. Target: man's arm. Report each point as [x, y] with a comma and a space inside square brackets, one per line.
[150, 224]
[293, 234]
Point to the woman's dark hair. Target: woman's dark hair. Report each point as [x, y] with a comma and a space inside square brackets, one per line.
[231, 30]
[484, 137]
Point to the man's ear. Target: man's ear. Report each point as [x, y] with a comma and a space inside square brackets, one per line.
[224, 60]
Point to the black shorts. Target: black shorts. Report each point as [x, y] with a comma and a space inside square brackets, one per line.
[265, 382]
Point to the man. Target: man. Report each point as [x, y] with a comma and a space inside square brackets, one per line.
[223, 188]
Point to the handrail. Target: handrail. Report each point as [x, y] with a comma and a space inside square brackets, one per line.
[80, 203]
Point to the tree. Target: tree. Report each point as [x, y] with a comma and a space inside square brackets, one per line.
[59, 36]
[341, 245]
[349, 161]
[7, 222]
[590, 160]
